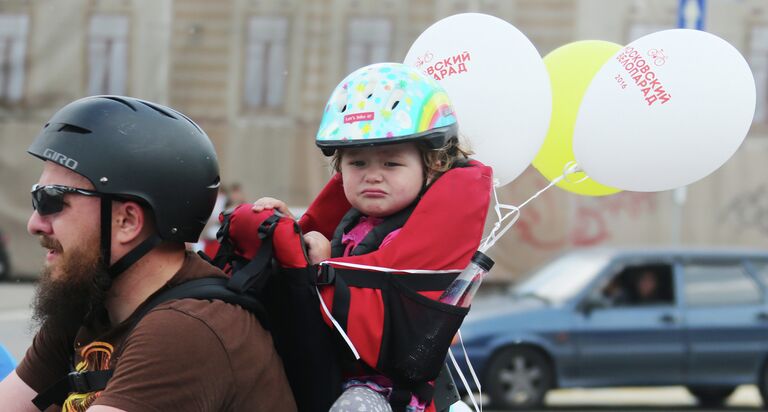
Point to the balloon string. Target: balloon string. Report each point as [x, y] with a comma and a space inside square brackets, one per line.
[463, 378]
[514, 211]
[571, 168]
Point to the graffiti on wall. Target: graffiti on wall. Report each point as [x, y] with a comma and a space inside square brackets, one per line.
[748, 210]
[590, 223]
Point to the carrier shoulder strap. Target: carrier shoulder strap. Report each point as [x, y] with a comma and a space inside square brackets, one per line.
[207, 288]
[373, 239]
[349, 220]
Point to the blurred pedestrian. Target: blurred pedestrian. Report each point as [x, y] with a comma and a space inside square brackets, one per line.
[235, 196]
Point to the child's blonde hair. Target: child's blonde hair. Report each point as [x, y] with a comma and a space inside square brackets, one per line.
[435, 161]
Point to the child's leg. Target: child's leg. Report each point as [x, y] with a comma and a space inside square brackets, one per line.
[361, 398]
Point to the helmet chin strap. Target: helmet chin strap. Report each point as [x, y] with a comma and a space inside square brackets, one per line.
[106, 243]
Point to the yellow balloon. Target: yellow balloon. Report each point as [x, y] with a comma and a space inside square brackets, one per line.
[571, 68]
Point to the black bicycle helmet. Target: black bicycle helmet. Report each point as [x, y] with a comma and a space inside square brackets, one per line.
[131, 148]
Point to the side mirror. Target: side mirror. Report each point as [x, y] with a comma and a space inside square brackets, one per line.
[593, 302]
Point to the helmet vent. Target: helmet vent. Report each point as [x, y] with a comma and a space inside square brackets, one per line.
[159, 110]
[119, 100]
[190, 120]
[73, 129]
[216, 183]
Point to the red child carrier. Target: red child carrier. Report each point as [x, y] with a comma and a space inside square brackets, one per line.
[385, 300]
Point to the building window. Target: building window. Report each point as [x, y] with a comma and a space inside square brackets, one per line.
[758, 60]
[265, 62]
[107, 54]
[638, 30]
[369, 41]
[13, 46]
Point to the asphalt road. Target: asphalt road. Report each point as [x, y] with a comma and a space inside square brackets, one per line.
[16, 334]
[667, 399]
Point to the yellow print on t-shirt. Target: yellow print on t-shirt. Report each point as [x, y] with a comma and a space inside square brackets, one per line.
[95, 357]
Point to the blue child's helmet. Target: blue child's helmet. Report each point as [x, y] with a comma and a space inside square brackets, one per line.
[386, 103]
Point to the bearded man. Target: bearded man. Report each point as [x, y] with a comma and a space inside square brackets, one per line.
[125, 184]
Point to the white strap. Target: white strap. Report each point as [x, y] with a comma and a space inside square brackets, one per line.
[337, 326]
[383, 269]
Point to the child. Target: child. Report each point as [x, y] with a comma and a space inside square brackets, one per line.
[378, 182]
[392, 133]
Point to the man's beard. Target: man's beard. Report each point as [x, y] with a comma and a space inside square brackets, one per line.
[80, 285]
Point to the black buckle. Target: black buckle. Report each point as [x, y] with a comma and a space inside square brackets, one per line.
[204, 256]
[223, 231]
[326, 275]
[267, 227]
[78, 382]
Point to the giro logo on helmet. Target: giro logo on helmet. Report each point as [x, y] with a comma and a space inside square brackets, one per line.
[60, 158]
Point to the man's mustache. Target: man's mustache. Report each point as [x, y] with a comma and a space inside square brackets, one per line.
[50, 243]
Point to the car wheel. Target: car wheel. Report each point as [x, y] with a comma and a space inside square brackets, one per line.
[518, 378]
[711, 396]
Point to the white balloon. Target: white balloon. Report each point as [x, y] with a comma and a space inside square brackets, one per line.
[497, 82]
[664, 112]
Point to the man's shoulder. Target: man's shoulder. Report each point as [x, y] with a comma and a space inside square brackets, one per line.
[217, 315]
[197, 328]
[194, 267]
[224, 324]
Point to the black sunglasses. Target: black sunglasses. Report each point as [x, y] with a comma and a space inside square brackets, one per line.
[49, 199]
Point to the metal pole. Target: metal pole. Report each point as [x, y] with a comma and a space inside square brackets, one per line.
[690, 15]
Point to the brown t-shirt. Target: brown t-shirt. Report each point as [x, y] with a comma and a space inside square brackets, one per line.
[184, 355]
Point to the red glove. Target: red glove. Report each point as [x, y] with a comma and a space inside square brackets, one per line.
[243, 232]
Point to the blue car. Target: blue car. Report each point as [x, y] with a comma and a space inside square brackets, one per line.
[623, 317]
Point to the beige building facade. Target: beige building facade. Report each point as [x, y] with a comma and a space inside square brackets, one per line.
[255, 75]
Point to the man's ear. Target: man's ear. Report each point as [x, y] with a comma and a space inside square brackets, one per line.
[128, 221]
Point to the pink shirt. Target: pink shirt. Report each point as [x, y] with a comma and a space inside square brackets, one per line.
[360, 231]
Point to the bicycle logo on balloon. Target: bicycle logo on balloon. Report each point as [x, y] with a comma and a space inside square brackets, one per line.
[658, 57]
[422, 60]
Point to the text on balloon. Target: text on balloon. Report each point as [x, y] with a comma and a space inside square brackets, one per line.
[645, 78]
[449, 66]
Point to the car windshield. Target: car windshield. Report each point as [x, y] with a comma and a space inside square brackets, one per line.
[562, 278]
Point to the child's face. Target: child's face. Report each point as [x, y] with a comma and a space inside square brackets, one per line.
[380, 181]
